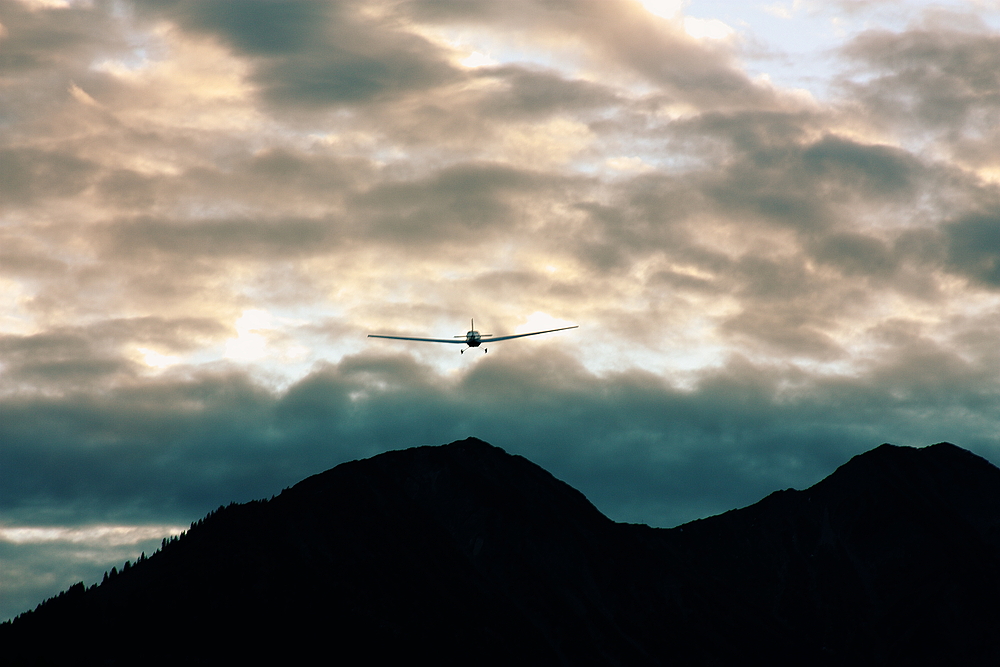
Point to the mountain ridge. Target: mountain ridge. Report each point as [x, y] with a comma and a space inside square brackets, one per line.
[464, 550]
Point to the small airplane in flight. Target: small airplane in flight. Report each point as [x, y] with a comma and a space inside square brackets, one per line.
[473, 338]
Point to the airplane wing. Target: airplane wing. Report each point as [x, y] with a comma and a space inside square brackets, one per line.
[533, 333]
[426, 340]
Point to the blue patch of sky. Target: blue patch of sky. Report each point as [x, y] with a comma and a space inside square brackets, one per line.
[795, 42]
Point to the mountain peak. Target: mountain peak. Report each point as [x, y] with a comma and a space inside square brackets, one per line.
[942, 473]
[465, 550]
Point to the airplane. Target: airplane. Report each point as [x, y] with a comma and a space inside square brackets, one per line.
[473, 338]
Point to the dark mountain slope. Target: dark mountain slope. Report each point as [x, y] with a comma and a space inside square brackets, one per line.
[458, 553]
[893, 559]
[463, 553]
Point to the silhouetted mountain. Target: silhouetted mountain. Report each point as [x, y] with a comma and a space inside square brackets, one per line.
[465, 554]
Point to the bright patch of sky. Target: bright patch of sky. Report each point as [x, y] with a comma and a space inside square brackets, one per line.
[155, 359]
[110, 535]
[477, 59]
[260, 334]
[793, 42]
[55, 4]
[539, 321]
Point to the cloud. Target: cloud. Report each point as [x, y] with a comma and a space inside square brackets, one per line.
[27, 174]
[854, 254]
[314, 53]
[974, 247]
[528, 93]
[448, 206]
[40, 38]
[168, 443]
[205, 206]
[40, 561]
[639, 448]
[72, 359]
[207, 238]
[929, 79]
[620, 36]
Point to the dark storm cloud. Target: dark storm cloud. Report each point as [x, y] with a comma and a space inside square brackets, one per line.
[773, 180]
[317, 52]
[785, 305]
[930, 78]
[352, 78]
[778, 176]
[638, 447]
[787, 329]
[768, 184]
[24, 257]
[451, 205]
[278, 169]
[276, 179]
[856, 254]
[870, 171]
[645, 216]
[771, 278]
[27, 174]
[532, 93]
[243, 238]
[974, 247]
[128, 450]
[85, 357]
[781, 143]
[601, 246]
[254, 26]
[774, 175]
[754, 134]
[58, 359]
[38, 39]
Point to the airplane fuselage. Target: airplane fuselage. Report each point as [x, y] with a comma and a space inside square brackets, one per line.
[472, 338]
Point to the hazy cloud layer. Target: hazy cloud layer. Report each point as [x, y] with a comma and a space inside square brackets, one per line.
[206, 206]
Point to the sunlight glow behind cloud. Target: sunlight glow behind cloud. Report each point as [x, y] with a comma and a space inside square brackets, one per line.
[477, 59]
[156, 359]
[251, 341]
[667, 9]
[764, 227]
[539, 321]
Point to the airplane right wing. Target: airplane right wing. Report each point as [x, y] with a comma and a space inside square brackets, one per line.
[533, 333]
[426, 340]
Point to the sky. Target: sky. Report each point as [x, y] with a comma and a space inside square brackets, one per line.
[777, 225]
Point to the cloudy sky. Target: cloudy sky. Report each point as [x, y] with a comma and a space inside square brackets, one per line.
[777, 225]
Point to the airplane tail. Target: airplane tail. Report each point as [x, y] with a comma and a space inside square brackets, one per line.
[472, 327]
